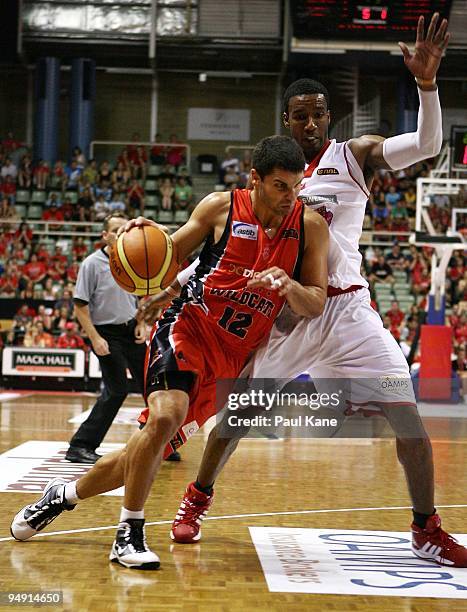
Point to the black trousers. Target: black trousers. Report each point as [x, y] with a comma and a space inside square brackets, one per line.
[124, 352]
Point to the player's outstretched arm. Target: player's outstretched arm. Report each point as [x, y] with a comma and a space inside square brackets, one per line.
[397, 152]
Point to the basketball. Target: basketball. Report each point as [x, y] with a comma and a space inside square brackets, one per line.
[143, 261]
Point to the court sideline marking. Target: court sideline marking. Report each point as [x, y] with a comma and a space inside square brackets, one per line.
[235, 516]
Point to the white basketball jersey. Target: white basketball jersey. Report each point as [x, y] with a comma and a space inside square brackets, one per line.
[337, 190]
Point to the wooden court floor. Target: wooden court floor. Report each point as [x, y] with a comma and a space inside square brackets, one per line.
[222, 572]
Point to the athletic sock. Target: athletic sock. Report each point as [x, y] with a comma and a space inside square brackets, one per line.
[206, 490]
[70, 495]
[130, 514]
[420, 519]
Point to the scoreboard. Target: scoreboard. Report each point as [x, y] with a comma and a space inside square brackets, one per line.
[392, 20]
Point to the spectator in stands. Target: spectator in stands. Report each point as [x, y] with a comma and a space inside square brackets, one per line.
[70, 338]
[90, 173]
[41, 174]
[100, 208]
[78, 156]
[7, 209]
[124, 159]
[60, 261]
[9, 280]
[419, 275]
[42, 252]
[61, 318]
[72, 270]
[66, 301]
[8, 189]
[25, 172]
[73, 176]
[399, 217]
[43, 316]
[9, 169]
[157, 153]
[117, 202]
[380, 214]
[139, 163]
[461, 294]
[24, 233]
[79, 249]
[167, 192]
[176, 154]
[53, 214]
[183, 171]
[59, 177]
[85, 205]
[105, 173]
[70, 212]
[22, 319]
[460, 362]
[460, 332]
[136, 196]
[44, 338]
[104, 189]
[396, 316]
[10, 143]
[34, 270]
[120, 176]
[183, 194]
[410, 198]
[381, 272]
[53, 200]
[395, 258]
[50, 292]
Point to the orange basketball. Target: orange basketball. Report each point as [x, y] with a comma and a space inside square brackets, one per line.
[143, 261]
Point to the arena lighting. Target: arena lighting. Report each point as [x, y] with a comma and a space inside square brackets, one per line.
[224, 74]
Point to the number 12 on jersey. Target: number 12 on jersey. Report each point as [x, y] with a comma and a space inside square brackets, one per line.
[236, 323]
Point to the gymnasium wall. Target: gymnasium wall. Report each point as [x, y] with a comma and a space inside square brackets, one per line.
[123, 104]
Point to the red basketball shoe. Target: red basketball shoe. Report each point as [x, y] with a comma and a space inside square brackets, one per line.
[186, 528]
[434, 544]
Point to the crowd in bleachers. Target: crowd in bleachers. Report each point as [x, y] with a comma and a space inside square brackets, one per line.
[155, 181]
[140, 179]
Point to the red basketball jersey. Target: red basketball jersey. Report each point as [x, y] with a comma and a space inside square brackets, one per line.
[217, 294]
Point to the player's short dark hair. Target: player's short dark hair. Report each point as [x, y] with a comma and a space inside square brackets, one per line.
[116, 215]
[277, 152]
[303, 87]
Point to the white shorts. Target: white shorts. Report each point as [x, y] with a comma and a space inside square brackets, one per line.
[348, 341]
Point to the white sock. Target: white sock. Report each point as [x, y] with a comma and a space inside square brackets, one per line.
[130, 514]
[70, 494]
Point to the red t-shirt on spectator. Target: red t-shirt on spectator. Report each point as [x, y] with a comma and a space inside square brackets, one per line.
[396, 317]
[66, 341]
[34, 269]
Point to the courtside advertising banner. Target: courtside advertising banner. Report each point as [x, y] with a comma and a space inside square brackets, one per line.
[19, 361]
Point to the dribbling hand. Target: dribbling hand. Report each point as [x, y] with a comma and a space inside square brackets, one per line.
[139, 222]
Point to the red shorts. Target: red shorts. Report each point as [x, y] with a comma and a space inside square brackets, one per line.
[187, 355]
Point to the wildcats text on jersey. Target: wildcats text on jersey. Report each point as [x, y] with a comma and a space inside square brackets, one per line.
[253, 300]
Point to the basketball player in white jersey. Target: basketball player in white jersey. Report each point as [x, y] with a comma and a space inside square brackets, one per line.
[349, 340]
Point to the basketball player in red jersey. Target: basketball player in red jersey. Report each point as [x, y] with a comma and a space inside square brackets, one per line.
[258, 242]
[349, 340]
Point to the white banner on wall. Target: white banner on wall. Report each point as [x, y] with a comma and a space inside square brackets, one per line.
[218, 124]
[19, 361]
